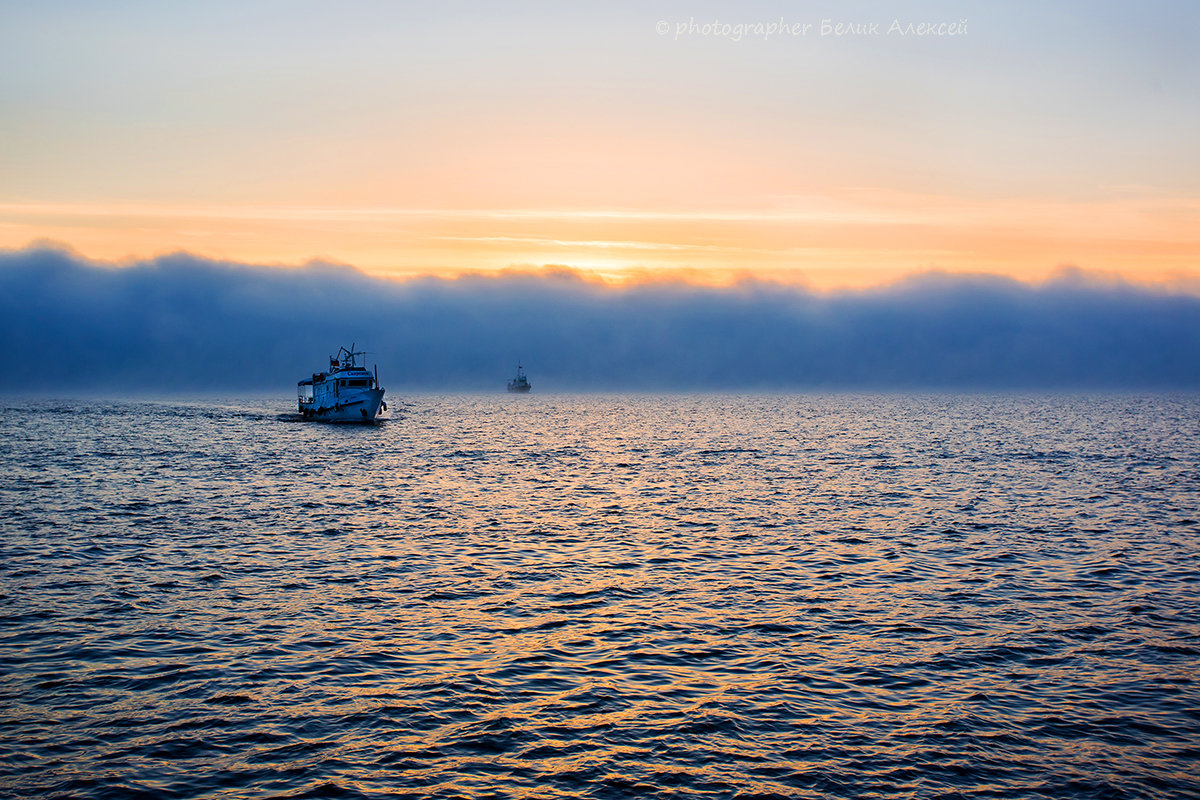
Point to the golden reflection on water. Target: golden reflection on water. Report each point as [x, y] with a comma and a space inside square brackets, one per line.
[641, 595]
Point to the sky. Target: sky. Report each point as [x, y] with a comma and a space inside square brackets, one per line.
[629, 142]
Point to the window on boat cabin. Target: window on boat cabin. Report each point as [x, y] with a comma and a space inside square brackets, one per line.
[357, 383]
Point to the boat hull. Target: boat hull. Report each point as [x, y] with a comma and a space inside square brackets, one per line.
[358, 407]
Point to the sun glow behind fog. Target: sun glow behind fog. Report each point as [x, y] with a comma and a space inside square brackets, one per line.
[850, 237]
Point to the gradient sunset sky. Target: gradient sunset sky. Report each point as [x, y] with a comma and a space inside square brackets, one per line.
[621, 140]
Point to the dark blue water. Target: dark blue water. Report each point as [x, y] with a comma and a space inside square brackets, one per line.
[603, 596]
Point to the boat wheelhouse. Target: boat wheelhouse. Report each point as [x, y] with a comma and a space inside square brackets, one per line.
[519, 383]
[346, 393]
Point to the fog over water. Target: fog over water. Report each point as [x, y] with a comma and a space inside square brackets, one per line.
[185, 323]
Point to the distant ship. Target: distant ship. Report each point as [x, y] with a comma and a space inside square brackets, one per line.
[519, 383]
[346, 393]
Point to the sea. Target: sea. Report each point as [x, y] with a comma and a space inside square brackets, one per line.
[602, 596]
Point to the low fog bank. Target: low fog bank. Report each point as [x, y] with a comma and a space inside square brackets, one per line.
[182, 323]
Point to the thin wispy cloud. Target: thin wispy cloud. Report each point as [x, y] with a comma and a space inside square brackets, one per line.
[855, 236]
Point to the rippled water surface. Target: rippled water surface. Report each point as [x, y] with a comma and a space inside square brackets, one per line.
[603, 596]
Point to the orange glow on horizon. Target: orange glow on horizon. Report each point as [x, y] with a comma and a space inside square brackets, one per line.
[851, 238]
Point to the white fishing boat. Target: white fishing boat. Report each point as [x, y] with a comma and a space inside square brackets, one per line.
[519, 383]
[346, 393]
